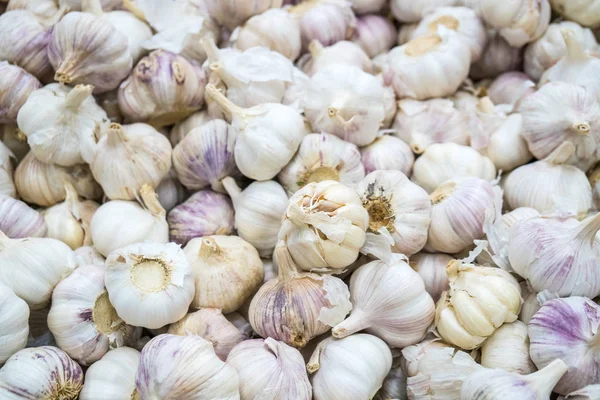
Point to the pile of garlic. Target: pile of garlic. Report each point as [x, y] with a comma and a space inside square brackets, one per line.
[299, 199]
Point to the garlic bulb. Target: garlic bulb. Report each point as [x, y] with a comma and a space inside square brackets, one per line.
[204, 213]
[503, 385]
[349, 368]
[343, 52]
[550, 185]
[205, 156]
[18, 220]
[497, 57]
[27, 49]
[510, 88]
[324, 226]
[82, 319]
[296, 90]
[40, 372]
[119, 223]
[7, 185]
[14, 323]
[210, 324]
[128, 157]
[282, 374]
[479, 301]
[171, 192]
[327, 21]
[275, 29]
[508, 349]
[258, 212]
[235, 13]
[162, 89]
[432, 269]
[519, 22]
[175, 367]
[443, 161]
[322, 157]
[423, 123]
[183, 127]
[559, 112]
[429, 66]
[551, 47]
[462, 20]
[227, 270]
[88, 255]
[268, 135]
[69, 221]
[43, 184]
[407, 11]
[296, 306]
[136, 31]
[16, 85]
[387, 153]
[569, 269]
[112, 376]
[584, 12]
[375, 34]
[86, 48]
[345, 101]
[590, 392]
[45, 10]
[149, 284]
[389, 301]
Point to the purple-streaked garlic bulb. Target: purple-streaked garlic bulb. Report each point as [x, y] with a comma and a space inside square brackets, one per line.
[16, 85]
[183, 127]
[375, 34]
[18, 220]
[388, 152]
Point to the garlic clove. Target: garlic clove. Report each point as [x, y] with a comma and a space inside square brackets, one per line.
[18, 220]
[367, 6]
[432, 269]
[14, 326]
[112, 376]
[374, 33]
[16, 85]
[387, 153]
[508, 349]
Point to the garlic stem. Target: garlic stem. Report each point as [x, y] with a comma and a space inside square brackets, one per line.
[116, 134]
[418, 142]
[231, 187]
[485, 105]
[77, 96]
[315, 48]
[209, 248]
[575, 51]
[223, 102]
[314, 363]
[544, 380]
[135, 10]
[285, 263]
[211, 50]
[581, 128]
[92, 7]
[561, 154]
[150, 200]
[588, 229]
[357, 321]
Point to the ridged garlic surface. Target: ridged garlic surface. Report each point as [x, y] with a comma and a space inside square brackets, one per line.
[407, 11]
[508, 349]
[432, 269]
[14, 323]
[387, 152]
[16, 85]
[344, 52]
[498, 57]
[510, 88]
[519, 22]
[327, 21]
[149, 284]
[374, 33]
[18, 220]
[185, 126]
[112, 376]
[583, 12]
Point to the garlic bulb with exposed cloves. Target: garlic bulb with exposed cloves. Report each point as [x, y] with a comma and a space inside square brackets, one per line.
[235, 13]
[510, 88]
[40, 372]
[32, 267]
[389, 301]
[204, 213]
[508, 349]
[205, 156]
[62, 124]
[227, 270]
[18, 220]
[497, 57]
[7, 185]
[162, 89]
[258, 212]
[112, 376]
[282, 374]
[519, 22]
[583, 12]
[43, 184]
[295, 307]
[149, 284]
[387, 153]
[479, 301]
[352, 367]
[344, 52]
[118, 223]
[14, 323]
[16, 85]
[82, 319]
[375, 34]
[268, 135]
[327, 21]
[128, 157]
[432, 269]
[183, 127]
[408, 11]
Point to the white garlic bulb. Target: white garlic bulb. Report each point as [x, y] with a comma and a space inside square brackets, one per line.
[18, 220]
[258, 212]
[510, 88]
[590, 392]
[408, 11]
[387, 153]
[268, 135]
[282, 374]
[423, 123]
[343, 52]
[136, 31]
[327, 21]
[345, 101]
[45, 10]
[128, 157]
[227, 270]
[149, 284]
[235, 13]
[508, 349]
[14, 323]
[174, 367]
[584, 12]
[479, 301]
[432, 269]
[7, 185]
[429, 66]
[119, 223]
[352, 367]
[40, 372]
[61, 124]
[82, 319]
[112, 376]
[16, 85]
[375, 34]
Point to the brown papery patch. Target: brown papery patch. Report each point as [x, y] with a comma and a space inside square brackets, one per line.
[322, 174]
[445, 20]
[104, 314]
[442, 193]
[422, 45]
[380, 214]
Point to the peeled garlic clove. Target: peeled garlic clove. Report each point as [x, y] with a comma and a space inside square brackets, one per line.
[88, 255]
[510, 88]
[171, 192]
[374, 33]
[343, 52]
[508, 349]
[327, 21]
[497, 57]
[387, 153]
[119, 223]
[519, 22]
[336, 365]
[18, 220]
[190, 369]
[162, 89]
[406, 11]
[584, 13]
[136, 31]
[16, 85]
[40, 372]
[14, 324]
[258, 212]
[112, 376]
[296, 307]
[432, 269]
[128, 157]
[590, 392]
[205, 156]
[502, 385]
[268, 135]
[282, 375]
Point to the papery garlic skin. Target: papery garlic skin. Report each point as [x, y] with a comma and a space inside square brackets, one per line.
[7, 185]
[45, 10]
[18, 220]
[40, 372]
[567, 329]
[14, 326]
[367, 6]
[327, 21]
[531, 305]
[16, 85]
[394, 385]
[112, 376]
[375, 34]
[149, 284]
[353, 367]
[508, 349]
[282, 375]
[590, 392]
[343, 52]
[387, 153]
[432, 269]
[87, 255]
[497, 57]
[134, 29]
[205, 213]
[510, 88]
[183, 127]
[413, 12]
[584, 12]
